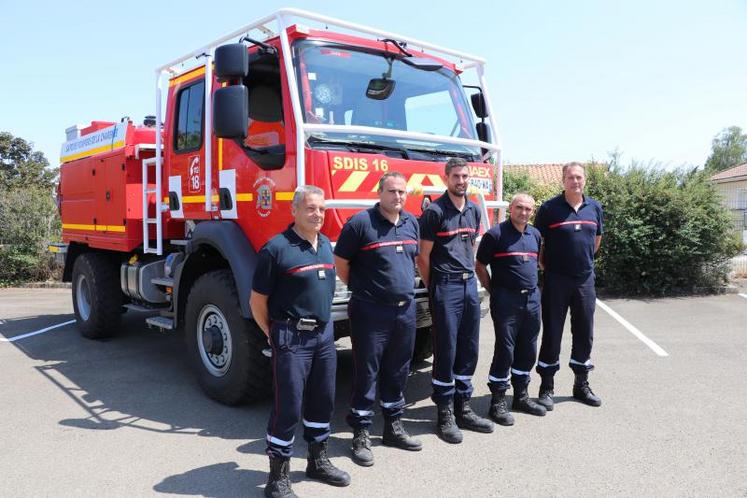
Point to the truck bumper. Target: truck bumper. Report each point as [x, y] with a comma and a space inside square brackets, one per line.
[423, 312]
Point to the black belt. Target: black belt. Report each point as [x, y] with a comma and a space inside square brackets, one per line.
[458, 277]
[303, 324]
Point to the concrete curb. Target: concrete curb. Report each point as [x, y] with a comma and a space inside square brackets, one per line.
[42, 285]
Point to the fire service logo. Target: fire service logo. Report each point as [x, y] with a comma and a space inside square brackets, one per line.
[194, 174]
[264, 187]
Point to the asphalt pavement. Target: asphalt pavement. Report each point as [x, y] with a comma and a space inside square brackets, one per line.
[124, 417]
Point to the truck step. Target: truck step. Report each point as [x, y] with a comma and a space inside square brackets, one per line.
[178, 242]
[161, 322]
[164, 281]
[138, 307]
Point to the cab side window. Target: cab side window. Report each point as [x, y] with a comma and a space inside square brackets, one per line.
[265, 141]
[189, 118]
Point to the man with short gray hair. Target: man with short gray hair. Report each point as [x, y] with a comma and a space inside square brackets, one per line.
[291, 301]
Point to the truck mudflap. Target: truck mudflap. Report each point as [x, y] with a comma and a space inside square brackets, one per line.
[59, 250]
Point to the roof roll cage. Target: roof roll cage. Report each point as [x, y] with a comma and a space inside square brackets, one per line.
[282, 20]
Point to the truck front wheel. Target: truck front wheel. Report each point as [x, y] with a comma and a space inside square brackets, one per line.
[225, 349]
[97, 298]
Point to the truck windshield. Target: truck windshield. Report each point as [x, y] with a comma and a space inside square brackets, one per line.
[333, 82]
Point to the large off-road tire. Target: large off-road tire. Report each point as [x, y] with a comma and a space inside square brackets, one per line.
[423, 345]
[225, 349]
[97, 298]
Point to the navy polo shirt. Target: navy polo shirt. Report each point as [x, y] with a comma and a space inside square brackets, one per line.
[381, 255]
[569, 235]
[512, 255]
[453, 233]
[299, 281]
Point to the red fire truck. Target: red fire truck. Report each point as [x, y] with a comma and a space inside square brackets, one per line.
[168, 216]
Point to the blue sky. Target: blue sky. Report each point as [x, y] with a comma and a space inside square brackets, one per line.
[570, 80]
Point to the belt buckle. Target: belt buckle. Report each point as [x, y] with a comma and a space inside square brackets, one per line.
[306, 324]
[465, 276]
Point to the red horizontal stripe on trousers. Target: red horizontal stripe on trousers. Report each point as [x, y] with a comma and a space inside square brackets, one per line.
[505, 254]
[580, 222]
[320, 266]
[376, 245]
[454, 232]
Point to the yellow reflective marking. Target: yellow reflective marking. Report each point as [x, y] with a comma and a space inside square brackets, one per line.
[244, 197]
[90, 152]
[353, 182]
[220, 154]
[196, 199]
[283, 196]
[416, 180]
[187, 76]
[53, 249]
[94, 228]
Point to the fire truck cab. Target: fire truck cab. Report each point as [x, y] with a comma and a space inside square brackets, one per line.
[168, 216]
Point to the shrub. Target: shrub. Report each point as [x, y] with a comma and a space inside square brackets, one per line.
[28, 220]
[665, 231]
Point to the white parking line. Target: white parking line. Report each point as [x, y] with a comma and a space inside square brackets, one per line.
[36, 332]
[645, 340]
[743, 295]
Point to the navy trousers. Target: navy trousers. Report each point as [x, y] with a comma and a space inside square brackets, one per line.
[383, 338]
[516, 320]
[304, 365]
[455, 310]
[560, 293]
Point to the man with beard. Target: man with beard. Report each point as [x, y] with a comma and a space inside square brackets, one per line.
[448, 230]
[375, 257]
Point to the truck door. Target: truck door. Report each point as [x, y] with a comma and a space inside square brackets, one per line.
[187, 148]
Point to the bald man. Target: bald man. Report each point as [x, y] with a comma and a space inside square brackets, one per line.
[511, 249]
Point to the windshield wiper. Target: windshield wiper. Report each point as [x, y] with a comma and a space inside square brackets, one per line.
[359, 146]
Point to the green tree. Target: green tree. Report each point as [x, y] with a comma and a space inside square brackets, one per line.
[28, 214]
[22, 166]
[729, 148]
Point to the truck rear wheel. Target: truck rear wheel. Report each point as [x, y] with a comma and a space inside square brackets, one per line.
[97, 298]
[225, 349]
[423, 345]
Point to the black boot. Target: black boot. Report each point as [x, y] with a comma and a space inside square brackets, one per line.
[469, 420]
[319, 467]
[362, 454]
[582, 391]
[523, 403]
[546, 393]
[278, 483]
[447, 428]
[396, 436]
[499, 409]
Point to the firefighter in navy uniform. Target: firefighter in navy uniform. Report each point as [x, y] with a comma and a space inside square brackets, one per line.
[291, 301]
[375, 256]
[512, 249]
[448, 230]
[571, 225]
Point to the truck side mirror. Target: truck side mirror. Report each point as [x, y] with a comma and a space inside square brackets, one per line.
[231, 112]
[478, 104]
[483, 132]
[231, 61]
